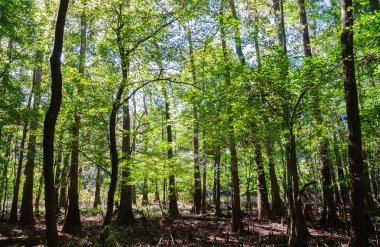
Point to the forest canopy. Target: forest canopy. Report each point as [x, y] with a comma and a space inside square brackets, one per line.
[189, 123]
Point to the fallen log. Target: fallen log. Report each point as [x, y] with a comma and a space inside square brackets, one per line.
[21, 240]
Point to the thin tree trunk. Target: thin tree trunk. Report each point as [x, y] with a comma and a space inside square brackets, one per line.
[329, 217]
[13, 217]
[145, 199]
[97, 189]
[237, 222]
[26, 212]
[4, 185]
[359, 236]
[49, 126]
[297, 229]
[63, 183]
[173, 207]
[38, 197]
[197, 173]
[72, 223]
[204, 189]
[58, 172]
[217, 154]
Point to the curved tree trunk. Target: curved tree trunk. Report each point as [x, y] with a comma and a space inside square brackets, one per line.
[49, 126]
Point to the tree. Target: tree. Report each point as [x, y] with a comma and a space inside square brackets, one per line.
[355, 158]
[26, 212]
[72, 223]
[49, 126]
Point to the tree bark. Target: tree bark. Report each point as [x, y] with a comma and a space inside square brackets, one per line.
[49, 126]
[359, 236]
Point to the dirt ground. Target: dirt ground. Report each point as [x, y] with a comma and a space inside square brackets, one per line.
[188, 230]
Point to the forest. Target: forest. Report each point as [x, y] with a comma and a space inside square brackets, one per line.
[190, 123]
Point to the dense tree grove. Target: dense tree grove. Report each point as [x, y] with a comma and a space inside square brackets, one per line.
[190, 122]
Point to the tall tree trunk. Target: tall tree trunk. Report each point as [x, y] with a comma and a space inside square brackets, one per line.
[359, 236]
[197, 172]
[329, 217]
[98, 183]
[277, 208]
[63, 183]
[114, 157]
[49, 126]
[72, 223]
[4, 182]
[26, 212]
[13, 218]
[237, 222]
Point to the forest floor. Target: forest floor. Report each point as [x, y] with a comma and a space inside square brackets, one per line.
[189, 230]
